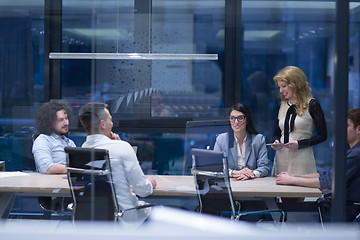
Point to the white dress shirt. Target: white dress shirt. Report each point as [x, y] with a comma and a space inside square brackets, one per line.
[129, 179]
[241, 156]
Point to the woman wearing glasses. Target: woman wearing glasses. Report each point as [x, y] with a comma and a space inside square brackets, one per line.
[297, 115]
[245, 147]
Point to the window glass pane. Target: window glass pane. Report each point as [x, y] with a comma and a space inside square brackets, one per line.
[354, 56]
[21, 79]
[145, 89]
[105, 27]
[187, 88]
[277, 34]
[143, 94]
[151, 100]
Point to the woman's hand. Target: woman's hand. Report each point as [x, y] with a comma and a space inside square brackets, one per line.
[243, 174]
[292, 145]
[277, 148]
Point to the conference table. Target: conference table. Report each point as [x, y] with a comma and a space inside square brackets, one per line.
[13, 184]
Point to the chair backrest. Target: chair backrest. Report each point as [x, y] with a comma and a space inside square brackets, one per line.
[91, 184]
[212, 182]
[201, 135]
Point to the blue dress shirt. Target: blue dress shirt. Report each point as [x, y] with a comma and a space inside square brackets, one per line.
[48, 150]
[352, 176]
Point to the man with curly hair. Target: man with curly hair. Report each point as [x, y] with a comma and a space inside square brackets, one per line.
[52, 122]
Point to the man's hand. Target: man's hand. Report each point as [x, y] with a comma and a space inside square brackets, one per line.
[115, 136]
[243, 174]
[307, 180]
[153, 181]
[284, 179]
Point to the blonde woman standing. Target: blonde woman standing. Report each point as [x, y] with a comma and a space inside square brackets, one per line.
[297, 115]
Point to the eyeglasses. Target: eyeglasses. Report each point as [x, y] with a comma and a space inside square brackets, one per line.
[239, 118]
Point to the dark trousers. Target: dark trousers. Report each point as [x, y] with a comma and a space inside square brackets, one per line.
[351, 211]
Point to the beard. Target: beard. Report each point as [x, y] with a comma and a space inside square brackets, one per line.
[63, 131]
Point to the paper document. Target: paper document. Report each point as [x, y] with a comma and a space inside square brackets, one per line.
[12, 174]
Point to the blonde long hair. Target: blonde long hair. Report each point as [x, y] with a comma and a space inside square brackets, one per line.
[295, 78]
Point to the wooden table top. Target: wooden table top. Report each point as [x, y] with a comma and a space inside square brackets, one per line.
[29, 182]
[171, 185]
[168, 185]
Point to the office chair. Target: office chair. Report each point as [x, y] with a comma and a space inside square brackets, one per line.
[324, 205]
[91, 185]
[210, 171]
[51, 205]
[357, 218]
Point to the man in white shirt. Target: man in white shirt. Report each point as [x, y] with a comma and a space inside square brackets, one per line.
[129, 179]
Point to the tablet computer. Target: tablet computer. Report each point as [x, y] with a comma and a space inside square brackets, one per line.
[275, 144]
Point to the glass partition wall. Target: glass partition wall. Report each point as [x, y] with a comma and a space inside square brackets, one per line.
[277, 34]
[152, 99]
[138, 89]
[21, 79]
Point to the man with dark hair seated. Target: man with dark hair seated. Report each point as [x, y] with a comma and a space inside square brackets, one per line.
[52, 122]
[129, 179]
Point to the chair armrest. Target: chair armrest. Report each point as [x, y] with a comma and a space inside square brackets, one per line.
[260, 211]
[121, 212]
[238, 215]
[78, 188]
[88, 171]
[208, 173]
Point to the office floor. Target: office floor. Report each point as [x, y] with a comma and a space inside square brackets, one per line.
[26, 207]
[169, 223]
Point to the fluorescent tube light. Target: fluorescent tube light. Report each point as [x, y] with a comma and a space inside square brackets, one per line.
[133, 56]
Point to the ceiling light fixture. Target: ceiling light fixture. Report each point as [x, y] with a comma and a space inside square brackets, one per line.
[133, 56]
